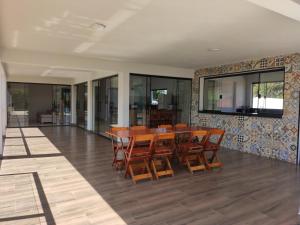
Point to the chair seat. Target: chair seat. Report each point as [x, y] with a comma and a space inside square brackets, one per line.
[161, 151]
[192, 147]
[211, 147]
[119, 145]
[139, 153]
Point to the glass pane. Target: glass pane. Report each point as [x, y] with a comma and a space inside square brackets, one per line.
[245, 93]
[96, 105]
[40, 105]
[184, 101]
[105, 103]
[114, 100]
[163, 94]
[17, 105]
[212, 94]
[81, 107]
[61, 105]
[138, 100]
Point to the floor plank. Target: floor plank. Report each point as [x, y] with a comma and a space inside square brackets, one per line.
[67, 178]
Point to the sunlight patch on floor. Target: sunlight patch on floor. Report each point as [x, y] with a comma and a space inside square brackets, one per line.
[71, 198]
[41, 145]
[13, 132]
[32, 132]
[19, 199]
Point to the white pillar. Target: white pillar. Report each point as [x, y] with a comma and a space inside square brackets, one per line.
[90, 105]
[73, 104]
[3, 107]
[123, 99]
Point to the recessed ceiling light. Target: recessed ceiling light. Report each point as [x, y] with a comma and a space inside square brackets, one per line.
[98, 26]
[214, 49]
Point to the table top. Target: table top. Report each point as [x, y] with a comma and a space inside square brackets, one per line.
[131, 133]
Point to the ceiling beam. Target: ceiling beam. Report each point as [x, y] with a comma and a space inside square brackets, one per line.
[12, 56]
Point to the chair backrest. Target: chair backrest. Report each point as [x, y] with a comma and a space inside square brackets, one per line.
[115, 129]
[165, 141]
[181, 125]
[166, 126]
[147, 141]
[138, 128]
[166, 136]
[200, 136]
[216, 136]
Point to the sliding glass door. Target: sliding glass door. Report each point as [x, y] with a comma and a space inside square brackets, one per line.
[159, 100]
[105, 103]
[17, 105]
[81, 105]
[139, 100]
[38, 104]
[62, 105]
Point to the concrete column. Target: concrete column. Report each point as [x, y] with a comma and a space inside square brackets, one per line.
[90, 105]
[73, 104]
[3, 107]
[123, 99]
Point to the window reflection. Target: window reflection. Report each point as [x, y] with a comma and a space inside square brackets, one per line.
[81, 105]
[31, 104]
[159, 100]
[255, 93]
[105, 103]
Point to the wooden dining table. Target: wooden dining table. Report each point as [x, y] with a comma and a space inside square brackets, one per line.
[131, 133]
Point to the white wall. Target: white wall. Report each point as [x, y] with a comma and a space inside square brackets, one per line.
[39, 79]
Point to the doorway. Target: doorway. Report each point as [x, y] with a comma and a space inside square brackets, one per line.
[156, 100]
[105, 103]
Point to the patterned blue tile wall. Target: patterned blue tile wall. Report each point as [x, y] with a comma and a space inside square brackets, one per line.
[269, 137]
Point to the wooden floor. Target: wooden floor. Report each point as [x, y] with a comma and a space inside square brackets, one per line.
[63, 175]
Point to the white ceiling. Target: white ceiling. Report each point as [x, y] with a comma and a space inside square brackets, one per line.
[163, 32]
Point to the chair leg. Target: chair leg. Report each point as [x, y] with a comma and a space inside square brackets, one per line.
[154, 169]
[203, 156]
[132, 174]
[188, 165]
[148, 169]
[126, 169]
[215, 162]
[170, 167]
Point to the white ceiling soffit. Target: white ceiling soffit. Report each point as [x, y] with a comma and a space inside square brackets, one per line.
[173, 33]
[52, 71]
[288, 8]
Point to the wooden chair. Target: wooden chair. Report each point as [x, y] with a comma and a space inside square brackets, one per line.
[164, 147]
[166, 126]
[136, 128]
[137, 157]
[183, 137]
[118, 147]
[192, 155]
[213, 146]
[181, 125]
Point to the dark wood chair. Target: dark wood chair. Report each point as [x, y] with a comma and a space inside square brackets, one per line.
[118, 147]
[181, 125]
[163, 150]
[166, 126]
[137, 157]
[212, 146]
[192, 151]
[137, 128]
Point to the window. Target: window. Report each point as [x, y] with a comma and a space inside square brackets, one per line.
[255, 93]
[267, 95]
[158, 95]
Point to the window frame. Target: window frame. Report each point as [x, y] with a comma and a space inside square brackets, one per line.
[271, 113]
